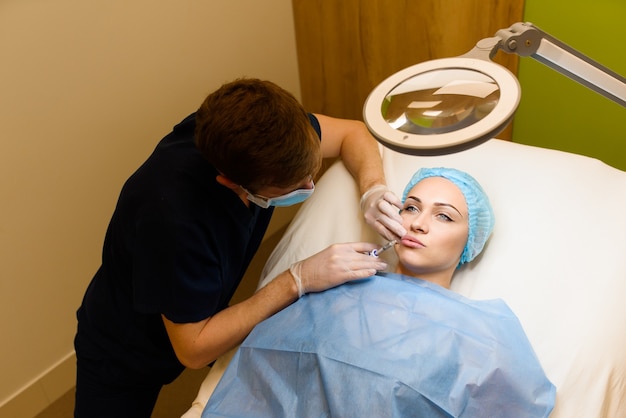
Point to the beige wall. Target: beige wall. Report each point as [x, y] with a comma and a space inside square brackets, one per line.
[86, 91]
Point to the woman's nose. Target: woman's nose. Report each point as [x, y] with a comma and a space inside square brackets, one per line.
[419, 223]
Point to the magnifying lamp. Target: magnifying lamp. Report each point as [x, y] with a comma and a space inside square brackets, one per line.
[452, 104]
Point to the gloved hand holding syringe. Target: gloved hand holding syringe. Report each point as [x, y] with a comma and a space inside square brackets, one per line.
[337, 264]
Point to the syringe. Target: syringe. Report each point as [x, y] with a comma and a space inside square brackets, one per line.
[376, 252]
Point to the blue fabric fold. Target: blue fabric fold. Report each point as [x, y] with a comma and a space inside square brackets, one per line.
[387, 346]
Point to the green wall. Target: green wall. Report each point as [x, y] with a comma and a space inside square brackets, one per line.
[556, 112]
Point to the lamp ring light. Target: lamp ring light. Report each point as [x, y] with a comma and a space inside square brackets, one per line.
[452, 104]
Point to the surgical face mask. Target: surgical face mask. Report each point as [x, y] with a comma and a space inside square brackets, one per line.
[292, 198]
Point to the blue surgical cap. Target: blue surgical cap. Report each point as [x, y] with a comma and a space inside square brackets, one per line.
[481, 218]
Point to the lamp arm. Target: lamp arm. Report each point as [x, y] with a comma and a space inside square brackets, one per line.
[525, 39]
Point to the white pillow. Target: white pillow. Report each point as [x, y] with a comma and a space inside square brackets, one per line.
[557, 256]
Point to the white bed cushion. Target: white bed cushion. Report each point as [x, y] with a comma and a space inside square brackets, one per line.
[557, 256]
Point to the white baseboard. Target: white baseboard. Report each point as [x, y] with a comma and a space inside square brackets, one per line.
[42, 391]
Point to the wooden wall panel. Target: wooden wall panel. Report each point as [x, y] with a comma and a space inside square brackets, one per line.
[347, 47]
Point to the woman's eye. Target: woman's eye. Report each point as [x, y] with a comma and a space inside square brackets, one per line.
[444, 217]
[411, 209]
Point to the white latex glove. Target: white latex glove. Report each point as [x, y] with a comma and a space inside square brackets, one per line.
[381, 210]
[335, 265]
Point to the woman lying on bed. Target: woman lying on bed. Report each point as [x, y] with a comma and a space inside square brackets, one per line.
[396, 344]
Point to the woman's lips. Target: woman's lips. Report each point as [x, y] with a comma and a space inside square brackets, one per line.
[411, 242]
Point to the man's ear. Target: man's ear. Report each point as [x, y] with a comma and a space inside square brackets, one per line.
[239, 191]
[226, 182]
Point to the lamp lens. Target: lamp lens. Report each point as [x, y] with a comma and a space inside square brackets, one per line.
[440, 101]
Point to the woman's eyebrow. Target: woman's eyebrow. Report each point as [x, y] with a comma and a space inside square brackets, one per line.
[417, 199]
[449, 206]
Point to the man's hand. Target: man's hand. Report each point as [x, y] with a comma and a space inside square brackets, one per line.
[335, 265]
[381, 210]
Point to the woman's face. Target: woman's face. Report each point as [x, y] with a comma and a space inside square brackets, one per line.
[435, 216]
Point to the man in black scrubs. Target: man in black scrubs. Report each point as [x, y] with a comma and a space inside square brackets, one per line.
[187, 224]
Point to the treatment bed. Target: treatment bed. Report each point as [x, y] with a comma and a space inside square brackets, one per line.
[557, 257]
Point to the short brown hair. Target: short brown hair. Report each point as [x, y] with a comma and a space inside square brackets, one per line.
[257, 134]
